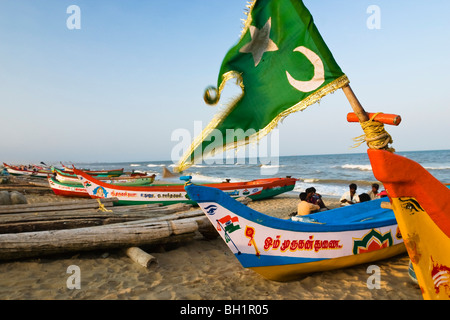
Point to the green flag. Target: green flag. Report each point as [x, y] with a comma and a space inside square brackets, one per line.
[282, 65]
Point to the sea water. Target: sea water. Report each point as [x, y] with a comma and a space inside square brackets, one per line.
[329, 174]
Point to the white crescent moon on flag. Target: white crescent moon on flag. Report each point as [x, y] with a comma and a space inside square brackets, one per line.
[319, 72]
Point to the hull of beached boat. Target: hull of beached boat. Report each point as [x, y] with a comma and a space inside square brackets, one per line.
[67, 178]
[28, 173]
[283, 250]
[78, 190]
[66, 189]
[70, 177]
[422, 207]
[103, 173]
[175, 193]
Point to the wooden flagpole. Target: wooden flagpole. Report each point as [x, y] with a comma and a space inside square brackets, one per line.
[354, 102]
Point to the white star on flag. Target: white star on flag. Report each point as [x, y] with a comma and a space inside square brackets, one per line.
[260, 42]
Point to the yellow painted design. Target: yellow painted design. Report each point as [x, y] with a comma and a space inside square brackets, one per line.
[427, 246]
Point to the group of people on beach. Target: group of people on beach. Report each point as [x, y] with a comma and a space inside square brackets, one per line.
[350, 197]
[311, 201]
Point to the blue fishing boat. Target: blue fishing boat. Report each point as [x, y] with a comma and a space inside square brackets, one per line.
[284, 249]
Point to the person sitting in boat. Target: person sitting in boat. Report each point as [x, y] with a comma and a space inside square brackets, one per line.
[315, 198]
[350, 197]
[374, 194]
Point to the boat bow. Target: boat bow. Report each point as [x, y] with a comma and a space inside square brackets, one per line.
[422, 207]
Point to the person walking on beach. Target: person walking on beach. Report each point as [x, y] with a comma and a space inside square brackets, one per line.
[304, 207]
[350, 197]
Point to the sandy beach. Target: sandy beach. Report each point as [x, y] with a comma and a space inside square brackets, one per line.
[199, 269]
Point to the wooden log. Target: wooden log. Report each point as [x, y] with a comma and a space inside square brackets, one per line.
[183, 226]
[92, 213]
[140, 256]
[149, 206]
[173, 228]
[20, 227]
[56, 206]
[26, 189]
[160, 230]
[76, 219]
[207, 230]
[113, 236]
[70, 219]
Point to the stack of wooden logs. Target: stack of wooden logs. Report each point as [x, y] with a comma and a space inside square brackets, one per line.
[25, 185]
[33, 230]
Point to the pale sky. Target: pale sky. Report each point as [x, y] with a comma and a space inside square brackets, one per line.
[116, 88]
